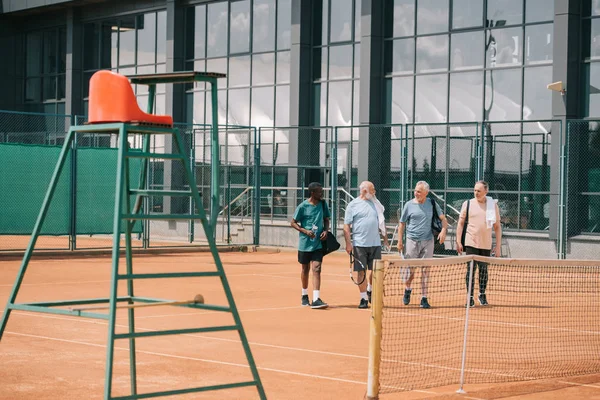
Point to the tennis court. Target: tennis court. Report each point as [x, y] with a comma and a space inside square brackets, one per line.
[300, 352]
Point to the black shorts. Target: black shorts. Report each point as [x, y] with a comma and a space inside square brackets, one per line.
[366, 255]
[305, 257]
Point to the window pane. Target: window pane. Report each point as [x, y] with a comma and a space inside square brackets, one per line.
[467, 51]
[34, 53]
[217, 65]
[263, 100]
[146, 39]
[198, 107]
[591, 7]
[340, 103]
[49, 91]
[431, 98]
[432, 16]
[33, 89]
[61, 87]
[357, 20]
[196, 32]
[50, 54]
[108, 43]
[357, 60]
[341, 21]
[466, 92]
[467, 14]
[284, 24]
[161, 37]
[591, 39]
[320, 63]
[238, 107]
[283, 67]
[282, 107]
[356, 103]
[592, 90]
[402, 17]
[239, 71]
[127, 41]
[503, 94]
[91, 41]
[400, 56]
[432, 53]
[505, 47]
[399, 92]
[504, 12]
[240, 27]
[325, 22]
[263, 33]
[538, 44]
[62, 50]
[340, 62]
[537, 99]
[539, 10]
[263, 69]
[217, 30]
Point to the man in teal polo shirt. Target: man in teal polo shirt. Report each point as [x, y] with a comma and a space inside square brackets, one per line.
[311, 220]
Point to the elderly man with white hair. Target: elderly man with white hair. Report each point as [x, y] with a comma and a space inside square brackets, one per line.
[416, 218]
[363, 224]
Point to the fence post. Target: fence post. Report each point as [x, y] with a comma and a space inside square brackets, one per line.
[73, 194]
[334, 181]
[257, 136]
[564, 149]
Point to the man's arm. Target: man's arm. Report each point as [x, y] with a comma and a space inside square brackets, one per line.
[498, 231]
[297, 227]
[401, 226]
[460, 225]
[442, 235]
[348, 239]
[325, 228]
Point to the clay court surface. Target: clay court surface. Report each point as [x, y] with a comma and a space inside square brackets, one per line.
[300, 353]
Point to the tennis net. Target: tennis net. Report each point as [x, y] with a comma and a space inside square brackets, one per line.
[542, 321]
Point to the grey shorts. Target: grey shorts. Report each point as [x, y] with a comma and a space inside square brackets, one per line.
[366, 255]
[419, 248]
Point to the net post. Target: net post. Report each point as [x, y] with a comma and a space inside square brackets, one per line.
[468, 306]
[375, 327]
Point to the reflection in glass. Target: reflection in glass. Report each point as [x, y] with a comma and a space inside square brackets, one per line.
[592, 90]
[432, 53]
[283, 67]
[217, 22]
[591, 39]
[34, 53]
[239, 40]
[341, 21]
[400, 56]
[325, 22]
[357, 20]
[466, 96]
[467, 51]
[127, 41]
[161, 37]
[431, 98]
[432, 16]
[322, 112]
[239, 71]
[263, 32]
[400, 18]
[590, 7]
[340, 103]
[340, 62]
[196, 30]
[538, 44]
[503, 94]
[504, 47]
[537, 99]
[467, 14]
[91, 41]
[282, 109]
[356, 102]
[262, 106]
[49, 53]
[198, 107]
[33, 89]
[539, 10]
[263, 69]
[238, 107]
[146, 38]
[509, 11]
[148, 69]
[222, 106]
[399, 100]
[284, 24]
[217, 65]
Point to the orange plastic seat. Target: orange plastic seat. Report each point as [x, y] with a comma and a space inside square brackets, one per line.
[112, 100]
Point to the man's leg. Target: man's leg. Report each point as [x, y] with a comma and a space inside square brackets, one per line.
[374, 254]
[471, 250]
[411, 251]
[316, 263]
[304, 261]
[426, 252]
[483, 278]
[361, 254]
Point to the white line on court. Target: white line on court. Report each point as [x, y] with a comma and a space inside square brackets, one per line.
[192, 358]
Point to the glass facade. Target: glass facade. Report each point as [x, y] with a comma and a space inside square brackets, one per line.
[249, 40]
[128, 45]
[45, 71]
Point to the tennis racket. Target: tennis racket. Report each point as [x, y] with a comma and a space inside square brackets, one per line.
[356, 275]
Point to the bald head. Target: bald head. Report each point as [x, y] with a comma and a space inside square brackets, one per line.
[367, 190]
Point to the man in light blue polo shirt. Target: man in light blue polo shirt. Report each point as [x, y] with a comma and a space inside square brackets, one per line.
[416, 217]
[364, 216]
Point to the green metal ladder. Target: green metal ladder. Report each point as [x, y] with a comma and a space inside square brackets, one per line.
[126, 214]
